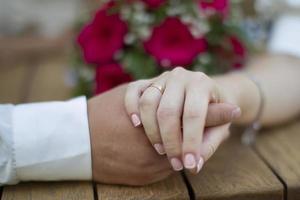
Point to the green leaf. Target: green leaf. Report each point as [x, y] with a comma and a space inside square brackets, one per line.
[139, 64]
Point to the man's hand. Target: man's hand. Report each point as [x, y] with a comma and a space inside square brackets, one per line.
[122, 154]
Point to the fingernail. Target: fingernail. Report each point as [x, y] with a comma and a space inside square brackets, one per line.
[236, 113]
[159, 148]
[135, 120]
[200, 164]
[176, 164]
[189, 161]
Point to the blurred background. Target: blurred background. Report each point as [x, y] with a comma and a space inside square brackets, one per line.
[36, 37]
[36, 40]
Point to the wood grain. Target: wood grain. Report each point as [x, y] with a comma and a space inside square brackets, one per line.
[171, 188]
[12, 82]
[236, 172]
[281, 150]
[50, 81]
[24, 48]
[49, 191]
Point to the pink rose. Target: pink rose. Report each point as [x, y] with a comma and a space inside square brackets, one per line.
[154, 3]
[103, 37]
[172, 44]
[109, 76]
[218, 6]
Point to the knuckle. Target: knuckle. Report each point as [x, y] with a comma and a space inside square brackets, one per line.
[191, 114]
[166, 73]
[177, 72]
[200, 77]
[191, 141]
[178, 69]
[224, 116]
[172, 149]
[146, 101]
[164, 113]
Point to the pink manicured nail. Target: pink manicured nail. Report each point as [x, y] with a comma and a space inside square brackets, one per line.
[189, 161]
[160, 149]
[236, 113]
[135, 120]
[200, 164]
[176, 164]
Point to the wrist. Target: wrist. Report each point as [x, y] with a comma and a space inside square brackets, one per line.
[237, 89]
[97, 134]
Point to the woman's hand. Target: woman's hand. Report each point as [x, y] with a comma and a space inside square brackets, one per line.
[174, 111]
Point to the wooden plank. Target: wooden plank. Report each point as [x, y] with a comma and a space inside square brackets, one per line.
[49, 82]
[31, 47]
[171, 188]
[236, 172]
[12, 80]
[281, 150]
[42, 81]
[49, 191]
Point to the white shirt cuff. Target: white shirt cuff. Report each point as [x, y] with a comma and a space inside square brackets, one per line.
[52, 141]
[285, 37]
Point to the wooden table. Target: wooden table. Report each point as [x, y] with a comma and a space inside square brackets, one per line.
[268, 171]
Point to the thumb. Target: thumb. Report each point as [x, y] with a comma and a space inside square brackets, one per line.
[221, 113]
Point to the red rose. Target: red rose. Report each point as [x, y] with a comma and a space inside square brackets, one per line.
[172, 44]
[103, 37]
[154, 3]
[231, 52]
[218, 6]
[109, 76]
[239, 51]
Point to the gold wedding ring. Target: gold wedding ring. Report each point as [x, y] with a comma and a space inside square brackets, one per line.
[158, 87]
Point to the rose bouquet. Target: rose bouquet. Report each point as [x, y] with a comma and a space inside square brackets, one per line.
[137, 39]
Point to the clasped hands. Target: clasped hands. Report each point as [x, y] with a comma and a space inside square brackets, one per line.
[143, 132]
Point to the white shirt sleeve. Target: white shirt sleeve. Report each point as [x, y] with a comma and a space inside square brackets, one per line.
[45, 142]
[285, 37]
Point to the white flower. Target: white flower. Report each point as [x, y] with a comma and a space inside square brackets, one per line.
[142, 18]
[199, 27]
[129, 39]
[143, 32]
[138, 6]
[187, 19]
[175, 10]
[204, 58]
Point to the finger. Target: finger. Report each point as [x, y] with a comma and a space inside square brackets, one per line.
[148, 105]
[169, 118]
[221, 113]
[194, 115]
[212, 139]
[132, 96]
